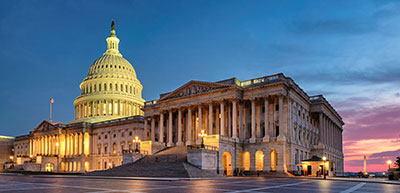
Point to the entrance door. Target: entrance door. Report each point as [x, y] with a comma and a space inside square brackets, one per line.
[309, 172]
[227, 163]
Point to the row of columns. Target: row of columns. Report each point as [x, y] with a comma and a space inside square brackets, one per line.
[330, 133]
[108, 107]
[60, 144]
[44, 145]
[228, 119]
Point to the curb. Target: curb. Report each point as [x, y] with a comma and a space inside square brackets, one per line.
[124, 178]
[352, 180]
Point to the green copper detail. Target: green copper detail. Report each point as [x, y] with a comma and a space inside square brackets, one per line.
[113, 29]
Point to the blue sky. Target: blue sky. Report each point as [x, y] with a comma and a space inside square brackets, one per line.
[346, 50]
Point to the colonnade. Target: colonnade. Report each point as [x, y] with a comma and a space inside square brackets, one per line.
[107, 107]
[45, 145]
[71, 144]
[331, 134]
[238, 119]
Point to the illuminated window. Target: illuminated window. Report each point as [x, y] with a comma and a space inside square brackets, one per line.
[114, 151]
[115, 108]
[98, 109]
[104, 108]
[110, 108]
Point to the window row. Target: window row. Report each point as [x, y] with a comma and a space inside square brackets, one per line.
[110, 87]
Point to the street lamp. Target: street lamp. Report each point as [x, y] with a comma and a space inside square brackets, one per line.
[136, 141]
[202, 134]
[389, 162]
[323, 167]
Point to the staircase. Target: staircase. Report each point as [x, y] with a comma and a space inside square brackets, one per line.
[170, 162]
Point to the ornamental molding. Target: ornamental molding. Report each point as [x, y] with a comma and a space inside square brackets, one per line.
[194, 88]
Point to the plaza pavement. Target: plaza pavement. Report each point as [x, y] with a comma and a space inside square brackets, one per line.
[32, 184]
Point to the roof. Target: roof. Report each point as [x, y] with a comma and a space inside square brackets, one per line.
[314, 159]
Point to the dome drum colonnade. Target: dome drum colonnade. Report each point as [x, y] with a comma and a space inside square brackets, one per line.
[111, 89]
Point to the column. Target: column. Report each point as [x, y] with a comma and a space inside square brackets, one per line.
[161, 128]
[266, 120]
[281, 136]
[30, 147]
[146, 130]
[222, 112]
[321, 133]
[241, 133]
[59, 145]
[50, 145]
[189, 127]
[153, 125]
[258, 119]
[234, 120]
[73, 144]
[253, 121]
[82, 144]
[210, 119]
[119, 108]
[170, 142]
[200, 121]
[107, 107]
[179, 142]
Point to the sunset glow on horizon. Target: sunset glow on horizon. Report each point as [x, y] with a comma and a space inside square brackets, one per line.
[348, 51]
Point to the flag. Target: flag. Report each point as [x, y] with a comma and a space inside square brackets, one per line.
[51, 100]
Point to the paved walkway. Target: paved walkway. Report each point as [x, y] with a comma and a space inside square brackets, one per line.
[36, 184]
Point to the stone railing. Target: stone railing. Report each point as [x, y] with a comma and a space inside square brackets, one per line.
[207, 147]
[150, 103]
[266, 79]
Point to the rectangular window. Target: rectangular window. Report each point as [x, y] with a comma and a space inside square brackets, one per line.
[276, 107]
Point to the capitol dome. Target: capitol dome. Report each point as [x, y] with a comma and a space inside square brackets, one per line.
[111, 89]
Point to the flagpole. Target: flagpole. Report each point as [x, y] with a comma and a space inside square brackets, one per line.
[50, 108]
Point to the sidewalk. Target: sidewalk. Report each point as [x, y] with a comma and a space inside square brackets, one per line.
[114, 177]
[368, 180]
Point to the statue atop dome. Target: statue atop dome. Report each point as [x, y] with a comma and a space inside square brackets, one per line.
[112, 25]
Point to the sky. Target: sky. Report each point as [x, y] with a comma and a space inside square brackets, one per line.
[346, 50]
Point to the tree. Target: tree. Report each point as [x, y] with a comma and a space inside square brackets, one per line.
[398, 162]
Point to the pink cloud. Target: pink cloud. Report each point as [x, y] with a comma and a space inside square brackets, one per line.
[374, 132]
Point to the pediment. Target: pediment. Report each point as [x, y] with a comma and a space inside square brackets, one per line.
[44, 126]
[194, 88]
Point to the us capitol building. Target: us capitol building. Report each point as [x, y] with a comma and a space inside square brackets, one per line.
[266, 124]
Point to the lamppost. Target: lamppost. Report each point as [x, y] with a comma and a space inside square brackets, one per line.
[136, 141]
[389, 162]
[58, 168]
[323, 167]
[202, 134]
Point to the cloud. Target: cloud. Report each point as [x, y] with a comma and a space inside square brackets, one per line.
[332, 26]
[386, 154]
[380, 122]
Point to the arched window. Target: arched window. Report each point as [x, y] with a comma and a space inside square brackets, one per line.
[122, 88]
[114, 150]
[99, 87]
[274, 160]
[259, 160]
[126, 88]
[105, 86]
[116, 87]
[94, 88]
[110, 87]
[130, 89]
